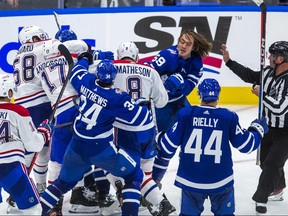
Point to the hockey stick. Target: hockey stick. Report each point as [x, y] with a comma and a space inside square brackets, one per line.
[65, 52]
[263, 8]
[56, 20]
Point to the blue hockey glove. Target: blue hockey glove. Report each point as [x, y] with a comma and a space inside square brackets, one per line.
[141, 101]
[100, 55]
[86, 55]
[259, 125]
[173, 83]
[160, 163]
[47, 130]
[159, 169]
[158, 137]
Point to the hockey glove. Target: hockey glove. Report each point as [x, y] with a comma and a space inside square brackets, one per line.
[141, 101]
[46, 130]
[86, 55]
[158, 137]
[259, 125]
[159, 169]
[100, 55]
[173, 83]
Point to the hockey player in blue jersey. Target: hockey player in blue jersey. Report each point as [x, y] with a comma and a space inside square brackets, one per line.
[92, 144]
[205, 134]
[180, 67]
[80, 203]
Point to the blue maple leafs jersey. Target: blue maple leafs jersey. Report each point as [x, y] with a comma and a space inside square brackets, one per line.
[99, 107]
[167, 62]
[204, 135]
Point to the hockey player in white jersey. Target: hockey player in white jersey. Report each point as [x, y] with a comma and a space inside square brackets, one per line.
[141, 81]
[138, 80]
[205, 135]
[30, 93]
[53, 72]
[18, 134]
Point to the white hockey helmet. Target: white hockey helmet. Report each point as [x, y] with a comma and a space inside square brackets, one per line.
[128, 50]
[28, 32]
[50, 48]
[6, 83]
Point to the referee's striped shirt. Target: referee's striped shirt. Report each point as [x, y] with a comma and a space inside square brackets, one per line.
[275, 92]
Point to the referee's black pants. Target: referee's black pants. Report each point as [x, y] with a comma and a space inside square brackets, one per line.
[273, 155]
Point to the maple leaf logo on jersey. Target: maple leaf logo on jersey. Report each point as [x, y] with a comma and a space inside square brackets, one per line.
[172, 51]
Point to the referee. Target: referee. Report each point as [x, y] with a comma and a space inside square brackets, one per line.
[274, 147]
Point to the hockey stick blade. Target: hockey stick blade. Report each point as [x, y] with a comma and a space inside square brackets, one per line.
[65, 52]
[258, 2]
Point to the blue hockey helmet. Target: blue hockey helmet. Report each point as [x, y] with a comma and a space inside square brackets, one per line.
[209, 90]
[106, 71]
[65, 35]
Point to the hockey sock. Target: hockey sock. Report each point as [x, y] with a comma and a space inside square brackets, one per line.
[50, 198]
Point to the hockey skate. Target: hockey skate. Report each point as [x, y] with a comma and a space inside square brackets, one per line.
[83, 200]
[260, 208]
[276, 196]
[108, 204]
[143, 204]
[57, 209]
[119, 187]
[11, 204]
[165, 208]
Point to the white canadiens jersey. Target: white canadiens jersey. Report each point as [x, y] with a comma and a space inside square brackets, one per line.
[53, 73]
[17, 133]
[140, 81]
[76, 47]
[29, 89]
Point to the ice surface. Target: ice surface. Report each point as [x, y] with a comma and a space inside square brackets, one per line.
[246, 174]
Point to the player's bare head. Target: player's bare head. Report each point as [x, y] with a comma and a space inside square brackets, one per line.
[7, 87]
[209, 90]
[193, 41]
[32, 33]
[106, 72]
[128, 50]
